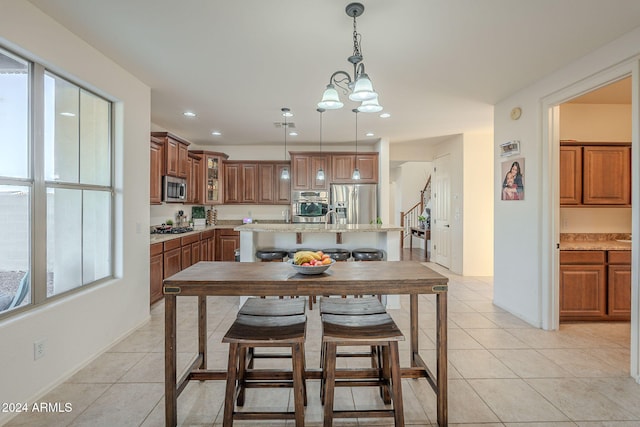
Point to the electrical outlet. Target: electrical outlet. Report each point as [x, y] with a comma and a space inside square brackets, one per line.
[38, 349]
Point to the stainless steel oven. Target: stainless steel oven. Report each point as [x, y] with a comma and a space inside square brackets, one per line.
[309, 206]
[174, 189]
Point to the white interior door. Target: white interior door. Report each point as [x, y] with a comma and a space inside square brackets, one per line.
[441, 212]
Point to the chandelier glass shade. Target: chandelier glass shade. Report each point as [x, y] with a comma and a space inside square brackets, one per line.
[358, 86]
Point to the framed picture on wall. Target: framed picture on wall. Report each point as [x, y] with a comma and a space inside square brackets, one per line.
[510, 148]
[513, 179]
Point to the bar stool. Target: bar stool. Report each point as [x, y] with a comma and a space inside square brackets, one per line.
[377, 330]
[356, 307]
[265, 331]
[271, 254]
[269, 307]
[338, 254]
[367, 254]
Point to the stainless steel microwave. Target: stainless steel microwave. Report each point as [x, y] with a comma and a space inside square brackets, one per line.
[174, 189]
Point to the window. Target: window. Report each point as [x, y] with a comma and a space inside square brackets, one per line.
[56, 171]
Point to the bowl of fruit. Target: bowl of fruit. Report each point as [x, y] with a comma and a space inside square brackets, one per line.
[311, 262]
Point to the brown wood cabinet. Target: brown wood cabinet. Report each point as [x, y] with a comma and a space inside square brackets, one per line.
[156, 170]
[595, 285]
[607, 175]
[343, 164]
[172, 257]
[619, 285]
[194, 179]
[595, 175]
[570, 175]
[190, 250]
[207, 245]
[156, 272]
[175, 154]
[304, 168]
[256, 182]
[210, 183]
[227, 242]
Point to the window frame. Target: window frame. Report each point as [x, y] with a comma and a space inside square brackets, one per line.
[38, 186]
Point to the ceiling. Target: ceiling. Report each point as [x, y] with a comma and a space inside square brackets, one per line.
[438, 65]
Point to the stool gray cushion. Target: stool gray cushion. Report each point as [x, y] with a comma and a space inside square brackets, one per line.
[271, 253]
[367, 254]
[338, 254]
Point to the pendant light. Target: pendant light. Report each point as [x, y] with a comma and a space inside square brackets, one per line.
[284, 175]
[320, 173]
[356, 172]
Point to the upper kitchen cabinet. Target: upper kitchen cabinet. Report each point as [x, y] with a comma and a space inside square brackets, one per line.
[255, 182]
[156, 170]
[194, 178]
[211, 184]
[595, 175]
[304, 169]
[607, 175]
[175, 154]
[343, 164]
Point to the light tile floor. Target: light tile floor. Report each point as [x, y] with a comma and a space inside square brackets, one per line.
[502, 372]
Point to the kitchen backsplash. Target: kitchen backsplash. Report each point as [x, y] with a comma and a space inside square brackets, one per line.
[595, 220]
[273, 213]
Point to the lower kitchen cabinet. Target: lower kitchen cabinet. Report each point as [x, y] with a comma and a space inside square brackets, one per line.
[156, 272]
[619, 281]
[226, 244]
[595, 285]
[190, 250]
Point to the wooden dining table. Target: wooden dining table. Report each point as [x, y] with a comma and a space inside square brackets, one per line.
[206, 279]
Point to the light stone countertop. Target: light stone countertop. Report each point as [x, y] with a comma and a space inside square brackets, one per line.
[595, 242]
[160, 238]
[318, 228]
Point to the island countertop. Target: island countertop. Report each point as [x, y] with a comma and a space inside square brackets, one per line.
[318, 228]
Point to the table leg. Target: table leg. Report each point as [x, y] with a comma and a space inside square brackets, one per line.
[413, 316]
[441, 345]
[202, 330]
[170, 375]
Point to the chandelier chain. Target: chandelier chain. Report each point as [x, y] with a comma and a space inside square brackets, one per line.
[356, 40]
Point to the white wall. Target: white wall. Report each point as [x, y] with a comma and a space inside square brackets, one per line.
[522, 248]
[80, 326]
[477, 212]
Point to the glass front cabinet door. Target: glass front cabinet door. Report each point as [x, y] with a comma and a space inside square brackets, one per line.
[212, 177]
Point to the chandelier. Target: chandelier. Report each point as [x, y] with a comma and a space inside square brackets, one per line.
[359, 86]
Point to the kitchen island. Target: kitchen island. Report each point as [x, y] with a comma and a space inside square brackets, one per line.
[321, 236]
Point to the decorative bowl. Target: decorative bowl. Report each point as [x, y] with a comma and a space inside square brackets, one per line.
[311, 269]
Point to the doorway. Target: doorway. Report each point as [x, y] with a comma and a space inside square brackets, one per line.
[441, 212]
[551, 220]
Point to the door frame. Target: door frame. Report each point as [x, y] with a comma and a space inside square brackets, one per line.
[550, 211]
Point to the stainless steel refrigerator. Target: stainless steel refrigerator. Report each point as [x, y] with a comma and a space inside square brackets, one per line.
[354, 203]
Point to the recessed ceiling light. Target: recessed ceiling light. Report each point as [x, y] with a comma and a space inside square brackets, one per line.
[216, 133]
[286, 112]
[370, 134]
[67, 114]
[293, 133]
[385, 115]
[189, 114]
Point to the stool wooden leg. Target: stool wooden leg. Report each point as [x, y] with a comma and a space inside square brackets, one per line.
[299, 393]
[330, 368]
[229, 401]
[385, 374]
[396, 384]
[242, 368]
